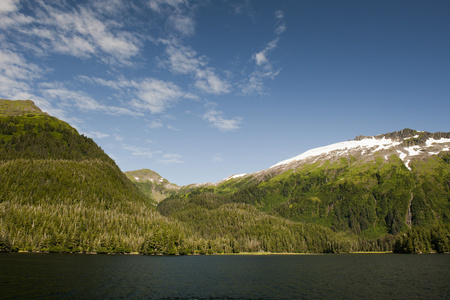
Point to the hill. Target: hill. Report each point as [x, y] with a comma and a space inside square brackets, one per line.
[60, 192]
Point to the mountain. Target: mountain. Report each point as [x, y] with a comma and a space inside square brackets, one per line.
[374, 187]
[152, 184]
[61, 193]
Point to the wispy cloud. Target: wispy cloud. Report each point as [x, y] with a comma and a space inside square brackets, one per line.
[261, 57]
[9, 15]
[179, 15]
[149, 94]
[280, 23]
[184, 60]
[16, 80]
[155, 124]
[97, 135]
[170, 159]
[160, 5]
[264, 68]
[141, 151]
[157, 95]
[79, 99]
[79, 31]
[217, 120]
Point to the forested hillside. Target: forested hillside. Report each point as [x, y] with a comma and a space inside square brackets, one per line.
[61, 193]
[375, 198]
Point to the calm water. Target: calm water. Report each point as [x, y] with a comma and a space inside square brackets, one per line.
[345, 276]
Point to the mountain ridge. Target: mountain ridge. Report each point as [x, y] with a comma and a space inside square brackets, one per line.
[407, 144]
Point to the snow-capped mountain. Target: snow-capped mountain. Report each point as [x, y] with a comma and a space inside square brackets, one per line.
[406, 144]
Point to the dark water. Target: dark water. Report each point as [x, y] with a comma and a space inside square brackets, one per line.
[345, 276]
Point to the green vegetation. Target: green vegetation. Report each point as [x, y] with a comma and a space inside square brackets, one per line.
[152, 185]
[61, 193]
[374, 201]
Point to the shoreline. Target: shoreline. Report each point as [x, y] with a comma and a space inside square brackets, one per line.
[212, 254]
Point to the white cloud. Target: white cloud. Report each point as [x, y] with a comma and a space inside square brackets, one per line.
[97, 135]
[255, 82]
[14, 66]
[80, 32]
[157, 95]
[155, 124]
[17, 75]
[157, 5]
[261, 57]
[264, 70]
[178, 13]
[184, 60]
[183, 24]
[218, 121]
[280, 25]
[149, 94]
[173, 128]
[7, 6]
[140, 151]
[79, 99]
[170, 159]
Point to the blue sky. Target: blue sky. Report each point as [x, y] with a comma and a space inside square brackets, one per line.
[200, 90]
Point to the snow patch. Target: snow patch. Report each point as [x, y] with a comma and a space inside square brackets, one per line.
[236, 176]
[413, 151]
[233, 176]
[431, 141]
[407, 165]
[344, 147]
[402, 155]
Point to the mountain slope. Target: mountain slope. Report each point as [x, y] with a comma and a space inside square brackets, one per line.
[61, 192]
[371, 186]
[150, 183]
